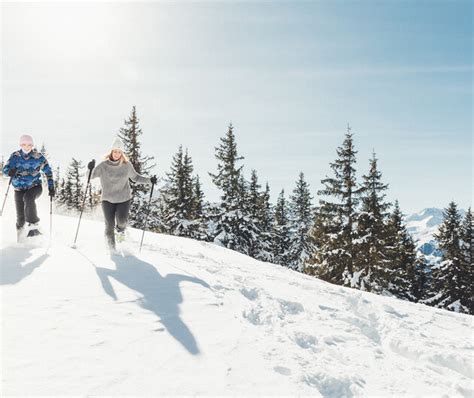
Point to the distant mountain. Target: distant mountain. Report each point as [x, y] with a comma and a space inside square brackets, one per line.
[423, 226]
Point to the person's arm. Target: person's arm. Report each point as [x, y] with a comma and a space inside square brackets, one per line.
[96, 170]
[46, 168]
[9, 166]
[135, 177]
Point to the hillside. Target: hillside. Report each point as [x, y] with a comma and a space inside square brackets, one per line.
[188, 317]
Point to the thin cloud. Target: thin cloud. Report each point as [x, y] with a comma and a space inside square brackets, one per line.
[381, 71]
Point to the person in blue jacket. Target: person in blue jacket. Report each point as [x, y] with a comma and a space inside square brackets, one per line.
[24, 167]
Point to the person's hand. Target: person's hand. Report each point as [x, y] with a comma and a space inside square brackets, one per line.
[52, 191]
[12, 172]
[91, 164]
[154, 180]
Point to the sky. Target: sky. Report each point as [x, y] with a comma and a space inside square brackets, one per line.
[289, 75]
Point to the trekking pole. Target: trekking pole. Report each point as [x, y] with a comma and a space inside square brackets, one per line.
[147, 215]
[6, 194]
[82, 208]
[50, 218]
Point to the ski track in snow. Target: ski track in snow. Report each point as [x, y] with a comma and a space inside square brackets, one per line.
[188, 317]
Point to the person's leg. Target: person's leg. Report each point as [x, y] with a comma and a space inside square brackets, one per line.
[109, 210]
[20, 209]
[29, 198]
[121, 215]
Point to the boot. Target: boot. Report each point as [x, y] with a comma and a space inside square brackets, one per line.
[20, 233]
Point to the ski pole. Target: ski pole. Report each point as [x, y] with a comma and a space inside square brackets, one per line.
[82, 208]
[6, 194]
[147, 215]
[50, 218]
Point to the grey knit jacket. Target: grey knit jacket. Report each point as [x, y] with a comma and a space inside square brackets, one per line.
[114, 178]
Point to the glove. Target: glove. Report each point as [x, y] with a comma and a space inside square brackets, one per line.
[52, 191]
[153, 180]
[91, 164]
[12, 172]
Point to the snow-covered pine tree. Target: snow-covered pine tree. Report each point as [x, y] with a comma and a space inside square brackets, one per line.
[44, 151]
[407, 276]
[336, 218]
[281, 232]
[230, 222]
[258, 219]
[130, 135]
[372, 261]
[248, 231]
[265, 222]
[301, 216]
[200, 211]
[450, 276]
[57, 182]
[46, 155]
[178, 196]
[72, 192]
[93, 198]
[467, 238]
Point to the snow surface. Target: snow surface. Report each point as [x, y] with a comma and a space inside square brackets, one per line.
[188, 317]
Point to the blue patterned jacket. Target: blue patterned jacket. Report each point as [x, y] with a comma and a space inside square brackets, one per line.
[28, 169]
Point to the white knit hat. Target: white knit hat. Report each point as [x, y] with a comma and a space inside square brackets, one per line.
[118, 144]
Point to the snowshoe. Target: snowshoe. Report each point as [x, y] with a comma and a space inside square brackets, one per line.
[120, 236]
[33, 230]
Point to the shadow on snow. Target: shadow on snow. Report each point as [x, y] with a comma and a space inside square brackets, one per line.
[161, 295]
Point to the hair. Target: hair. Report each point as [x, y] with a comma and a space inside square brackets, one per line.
[123, 158]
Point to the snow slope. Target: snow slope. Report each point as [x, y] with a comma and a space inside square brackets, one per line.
[188, 317]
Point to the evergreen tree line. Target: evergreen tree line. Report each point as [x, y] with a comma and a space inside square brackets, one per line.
[354, 237]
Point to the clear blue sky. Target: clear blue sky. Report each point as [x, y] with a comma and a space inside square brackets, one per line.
[289, 75]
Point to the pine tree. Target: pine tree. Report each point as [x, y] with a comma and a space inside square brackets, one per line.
[281, 231]
[257, 209]
[200, 211]
[467, 238]
[248, 232]
[46, 155]
[231, 222]
[228, 174]
[265, 223]
[301, 214]
[71, 189]
[198, 199]
[407, 274]
[93, 198]
[44, 151]
[178, 196]
[450, 276]
[130, 135]
[372, 261]
[336, 219]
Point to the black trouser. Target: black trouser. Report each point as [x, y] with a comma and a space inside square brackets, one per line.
[115, 214]
[26, 206]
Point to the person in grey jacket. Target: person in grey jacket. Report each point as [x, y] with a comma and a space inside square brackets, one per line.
[114, 174]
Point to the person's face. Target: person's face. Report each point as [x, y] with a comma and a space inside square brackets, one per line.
[26, 147]
[116, 154]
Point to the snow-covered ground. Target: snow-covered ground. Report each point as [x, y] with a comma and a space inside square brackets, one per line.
[188, 317]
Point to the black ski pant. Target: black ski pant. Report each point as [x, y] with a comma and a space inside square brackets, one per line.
[26, 206]
[116, 216]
